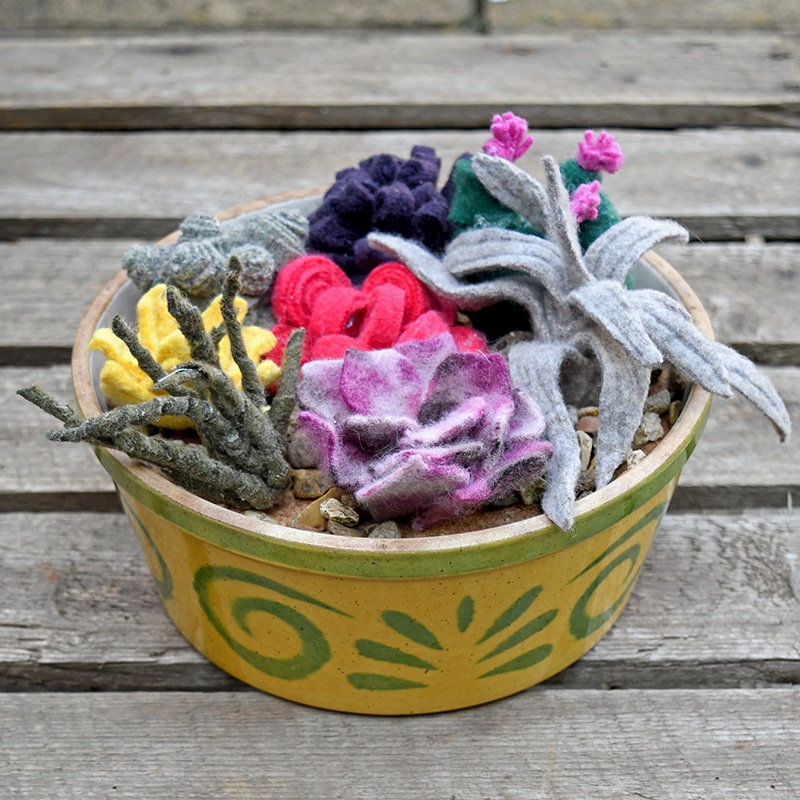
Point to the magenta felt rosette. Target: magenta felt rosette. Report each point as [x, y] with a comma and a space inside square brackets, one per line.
[422, 429]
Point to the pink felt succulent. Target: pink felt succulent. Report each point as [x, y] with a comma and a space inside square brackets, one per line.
[422, 429]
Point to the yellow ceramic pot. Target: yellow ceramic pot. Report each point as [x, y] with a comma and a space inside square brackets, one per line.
[393, 626]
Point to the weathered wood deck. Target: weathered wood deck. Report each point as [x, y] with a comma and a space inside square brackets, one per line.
[108, 140]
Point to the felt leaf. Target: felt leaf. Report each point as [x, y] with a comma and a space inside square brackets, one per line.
[514, 188]
[623, 391]
[612, 255]
[536, 367]
[671, 327]
[746, 378]
[608, 304]
[563, 228]
[499, 250]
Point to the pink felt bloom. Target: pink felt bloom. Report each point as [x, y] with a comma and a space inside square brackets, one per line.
[422, 429]
[585, 201]
[601, 153]
[510, 138]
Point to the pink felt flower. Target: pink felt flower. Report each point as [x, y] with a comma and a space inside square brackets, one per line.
[585, 201]
[510, 138]
[422, 429]
[601, 153]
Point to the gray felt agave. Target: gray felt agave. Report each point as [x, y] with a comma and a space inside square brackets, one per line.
[589, 329]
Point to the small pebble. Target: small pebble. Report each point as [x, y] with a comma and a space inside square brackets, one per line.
[533, 493]
[309, 484]
[385, 530]
[650, 429]
[336, 511]
[338, 529]
[658, 403]
[586, 442]
[588, 423]
[634, 457]
[300, 451]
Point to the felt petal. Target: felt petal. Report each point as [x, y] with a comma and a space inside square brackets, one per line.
[612, 255]
[381, 382]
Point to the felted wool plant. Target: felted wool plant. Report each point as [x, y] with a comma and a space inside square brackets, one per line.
[391, 306]
[422, 429]
[384, 193]
[122, 378]
[588, 329]
[197, 262]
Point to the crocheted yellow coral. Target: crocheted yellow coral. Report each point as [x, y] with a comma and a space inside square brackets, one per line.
[123, 381]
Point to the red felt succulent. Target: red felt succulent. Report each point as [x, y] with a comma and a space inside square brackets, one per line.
[391, 306]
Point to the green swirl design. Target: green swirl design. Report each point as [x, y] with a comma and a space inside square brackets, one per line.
[581, 623]
[163, 581]
[315, 651]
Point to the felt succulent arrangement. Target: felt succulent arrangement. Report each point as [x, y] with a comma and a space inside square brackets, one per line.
[375, 305]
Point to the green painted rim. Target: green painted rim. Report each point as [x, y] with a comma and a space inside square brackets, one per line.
[426, 557]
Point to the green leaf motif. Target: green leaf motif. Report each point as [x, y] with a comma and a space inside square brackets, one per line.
[392, 655]
[411, 628]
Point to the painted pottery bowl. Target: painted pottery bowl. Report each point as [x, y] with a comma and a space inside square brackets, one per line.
[403, 626]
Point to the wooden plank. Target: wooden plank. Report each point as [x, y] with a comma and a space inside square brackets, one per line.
[105, 15]
[744, 288]
[544, 744]
[716, 605]
[739, 462]
[722, 184]
[362, 79]
[645, 14]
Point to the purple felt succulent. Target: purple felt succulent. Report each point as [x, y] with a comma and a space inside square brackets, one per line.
[422, 429]
[384, 193]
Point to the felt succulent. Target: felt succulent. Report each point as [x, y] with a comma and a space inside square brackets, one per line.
[123, 380]
[422, 429]
[242, 462]
[389, 307]
[197, 262]
[588, 329]
[384, 193]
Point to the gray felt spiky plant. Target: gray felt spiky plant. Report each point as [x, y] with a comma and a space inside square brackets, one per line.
[585, 322]
[242, 462]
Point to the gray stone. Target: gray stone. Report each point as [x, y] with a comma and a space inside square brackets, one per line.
[308, 484]
[650, 429]
[385, 530]
[658, 403]
[301, 451]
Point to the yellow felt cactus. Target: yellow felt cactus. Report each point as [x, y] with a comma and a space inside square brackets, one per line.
[123, 381]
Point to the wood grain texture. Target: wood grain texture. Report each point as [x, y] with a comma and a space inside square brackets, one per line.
[717, 604]
[715, 15]
[45, 15]
[540, 744]
[723, 184]
[363, 80]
